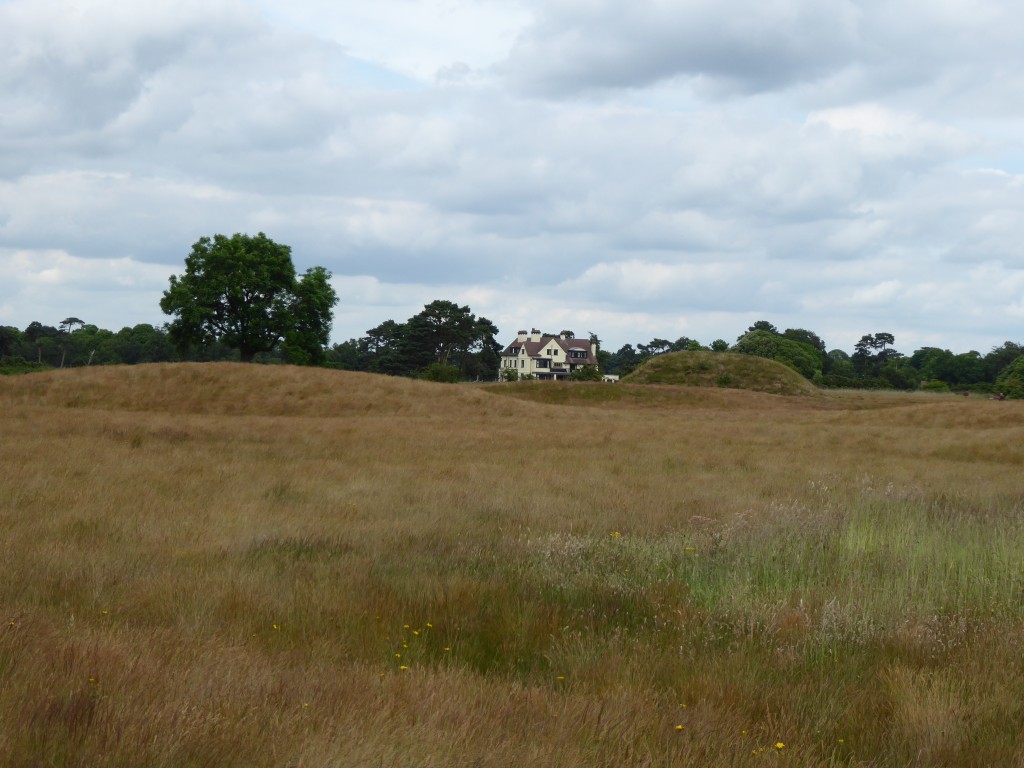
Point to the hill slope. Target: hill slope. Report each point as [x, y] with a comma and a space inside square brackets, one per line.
[722, 369]
[236, 389]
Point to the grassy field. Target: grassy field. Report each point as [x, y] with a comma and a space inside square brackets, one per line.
[227, 565]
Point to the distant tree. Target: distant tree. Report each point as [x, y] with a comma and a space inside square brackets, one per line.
[762, 325]
[347, 356]
[9, 339]
[882, 340]
[142, 343]
[38, 335]
[242, 291]
[68, 323]
[1011, 380]
[439, 333]
[441, 372]
[65, 326]
[866, 344]
[383, 346]
[805, 337]
[969, 368]
[758, 343]
[838, 369]
[1000, 357]
[802, 358]
[443, 333]
[586, 373]
[624, 361]
[719, 345]
[307, 335]
[655, 347]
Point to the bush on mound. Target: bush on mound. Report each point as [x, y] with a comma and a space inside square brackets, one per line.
[721, 369]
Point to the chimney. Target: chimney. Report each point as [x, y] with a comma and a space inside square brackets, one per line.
[521, 336]
[534, 335]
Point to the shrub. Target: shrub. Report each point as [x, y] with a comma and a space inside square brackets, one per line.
[439, 372]
[586, 373]
[1011, 380]
[17, 364]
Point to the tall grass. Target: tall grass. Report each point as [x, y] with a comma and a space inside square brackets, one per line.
[235, 565]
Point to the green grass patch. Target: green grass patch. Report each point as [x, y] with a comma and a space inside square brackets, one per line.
[722, 369]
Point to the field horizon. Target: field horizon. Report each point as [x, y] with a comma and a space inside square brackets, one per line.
[220, 564]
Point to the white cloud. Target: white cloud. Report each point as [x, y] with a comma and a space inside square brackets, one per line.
[646, 169]
[52, 284]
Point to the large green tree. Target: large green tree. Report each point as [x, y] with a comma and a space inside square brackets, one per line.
[803, 358]
[242, 291]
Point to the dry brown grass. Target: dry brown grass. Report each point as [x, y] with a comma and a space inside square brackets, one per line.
[216, 564]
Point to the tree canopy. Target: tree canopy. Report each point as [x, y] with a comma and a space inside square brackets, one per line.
[442, 341]
[242, 291]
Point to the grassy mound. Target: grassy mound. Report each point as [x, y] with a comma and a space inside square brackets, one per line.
[234, 389]
[721, 369]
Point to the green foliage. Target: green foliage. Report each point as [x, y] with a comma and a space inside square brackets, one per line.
[242, 291]
[802, 358]
[441, 372]
[10, 365]
[586, 373]
[510, 374]
[9, 338]
[719, 345]
[443, 333]
[307, 335]
[762, 325]
[810, 338]
[1011, 380]
[999, 358]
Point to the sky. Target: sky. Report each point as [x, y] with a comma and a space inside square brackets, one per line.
[635, 169]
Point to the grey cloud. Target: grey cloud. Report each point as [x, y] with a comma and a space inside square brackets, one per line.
[743, 46]
[857, 48]
[631, 212]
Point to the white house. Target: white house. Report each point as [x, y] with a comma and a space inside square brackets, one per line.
[545, 356]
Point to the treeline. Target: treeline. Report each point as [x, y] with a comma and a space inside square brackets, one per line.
[447, 342]
[75, 343]
[444, 342]
[874, 364]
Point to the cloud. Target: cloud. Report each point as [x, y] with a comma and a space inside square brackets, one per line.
[828, 48]
[648, 169]
[110, 293]
[742, 46]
